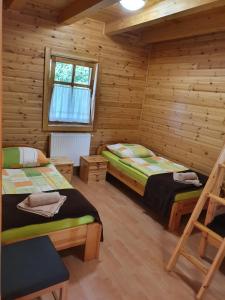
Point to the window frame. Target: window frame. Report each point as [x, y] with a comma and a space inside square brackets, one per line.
[51, 57]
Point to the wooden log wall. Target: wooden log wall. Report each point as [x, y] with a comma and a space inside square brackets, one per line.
[184, 109]
[121, 80]
[180, 114]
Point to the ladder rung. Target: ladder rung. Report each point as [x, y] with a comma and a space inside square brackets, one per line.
[217, 199]
[208, 231]
[196, 262]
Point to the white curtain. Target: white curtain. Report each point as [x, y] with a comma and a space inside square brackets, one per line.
[70, 104]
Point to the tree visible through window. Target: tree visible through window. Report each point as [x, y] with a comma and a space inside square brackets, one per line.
[63, 72]
[72, 92]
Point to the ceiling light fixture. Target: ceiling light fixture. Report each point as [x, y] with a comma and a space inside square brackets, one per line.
[133, 4]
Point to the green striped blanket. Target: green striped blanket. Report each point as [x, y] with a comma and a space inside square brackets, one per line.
[153, 165]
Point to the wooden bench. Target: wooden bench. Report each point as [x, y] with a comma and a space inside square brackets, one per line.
[32, 268]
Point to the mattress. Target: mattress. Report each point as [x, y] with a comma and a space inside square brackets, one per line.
[142, 178]
[32, 180]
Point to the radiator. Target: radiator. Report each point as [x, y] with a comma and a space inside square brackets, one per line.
[72, 145]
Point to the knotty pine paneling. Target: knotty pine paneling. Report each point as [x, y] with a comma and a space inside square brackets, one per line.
[122, 76]
[183, 113]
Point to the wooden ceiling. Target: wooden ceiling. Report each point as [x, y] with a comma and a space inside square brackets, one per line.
[116, 11]
[159, 20]
[107, 14]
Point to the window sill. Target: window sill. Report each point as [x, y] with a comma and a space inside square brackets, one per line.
[68, 128]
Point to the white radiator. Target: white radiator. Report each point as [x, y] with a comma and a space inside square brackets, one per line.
[72, 145]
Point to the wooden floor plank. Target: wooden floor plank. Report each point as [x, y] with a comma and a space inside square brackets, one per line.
[133, 255]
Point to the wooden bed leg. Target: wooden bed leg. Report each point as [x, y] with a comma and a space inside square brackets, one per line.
[92, 244]
[175, 218]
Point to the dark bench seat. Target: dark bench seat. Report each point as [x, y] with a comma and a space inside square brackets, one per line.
[32, 268]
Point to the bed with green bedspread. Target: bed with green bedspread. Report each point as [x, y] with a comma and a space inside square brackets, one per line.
[32, 180]
[140, 177]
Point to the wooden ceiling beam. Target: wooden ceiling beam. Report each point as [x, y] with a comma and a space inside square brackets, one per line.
[82, 8]
[164, 10]
[197, 24]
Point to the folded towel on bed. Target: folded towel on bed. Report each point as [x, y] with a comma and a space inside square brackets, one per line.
[75, 206]
[187, 178]
[161, 191]
[40, 199]
[48, 210]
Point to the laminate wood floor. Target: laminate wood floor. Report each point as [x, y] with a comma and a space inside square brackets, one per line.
[133, 255]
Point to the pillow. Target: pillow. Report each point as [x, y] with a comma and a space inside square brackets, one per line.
[130, 150]
[22, 157]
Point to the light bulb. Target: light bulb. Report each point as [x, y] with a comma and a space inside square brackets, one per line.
[132, 4]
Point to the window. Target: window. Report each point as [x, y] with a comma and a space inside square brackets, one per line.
[69, 97]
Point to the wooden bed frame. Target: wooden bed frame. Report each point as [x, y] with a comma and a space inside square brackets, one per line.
[179, 208]
[88, 235]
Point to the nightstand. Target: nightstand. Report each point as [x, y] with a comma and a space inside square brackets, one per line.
[93, 168]
[64, 165]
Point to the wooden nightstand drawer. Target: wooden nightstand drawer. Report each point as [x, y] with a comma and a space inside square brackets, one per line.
[66, 171]
[93, 168]
[96, 177]
[64, 166]
[98, 166]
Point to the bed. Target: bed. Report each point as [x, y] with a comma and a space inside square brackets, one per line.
[65, 233]
[136, 180]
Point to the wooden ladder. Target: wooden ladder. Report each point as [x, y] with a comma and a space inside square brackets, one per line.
[211, 193]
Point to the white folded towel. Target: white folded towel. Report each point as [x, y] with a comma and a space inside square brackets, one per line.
[48, 210]
[40, 199]
[187, 178]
